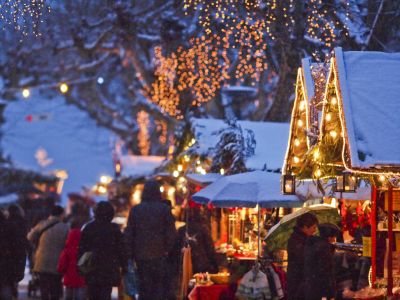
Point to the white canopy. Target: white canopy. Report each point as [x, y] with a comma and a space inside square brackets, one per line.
[247, 190]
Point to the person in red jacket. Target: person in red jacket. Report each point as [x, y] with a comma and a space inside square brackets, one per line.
[74, 284]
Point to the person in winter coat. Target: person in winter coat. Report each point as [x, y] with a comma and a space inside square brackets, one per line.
[306, 226]
[49, 236]
[104, 240]
[6, 259]
[319, 275]
[149, 236]
[19, 244]
[67, 266]
[198, 236]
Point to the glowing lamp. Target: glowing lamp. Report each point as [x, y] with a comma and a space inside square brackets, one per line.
[288, 184]
[346, 182]
[118, 168]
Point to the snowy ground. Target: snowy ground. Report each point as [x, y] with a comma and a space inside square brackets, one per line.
[71, 139]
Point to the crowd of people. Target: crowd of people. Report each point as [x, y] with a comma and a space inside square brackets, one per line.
[78, 258]
[62, 245]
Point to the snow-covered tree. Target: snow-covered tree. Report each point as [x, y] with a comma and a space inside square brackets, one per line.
[234, 146]
[168, 57]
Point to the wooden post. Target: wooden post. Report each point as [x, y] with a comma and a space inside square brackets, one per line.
[373, 233]
[390, 236]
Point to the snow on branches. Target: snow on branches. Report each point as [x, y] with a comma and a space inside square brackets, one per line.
[234, 146]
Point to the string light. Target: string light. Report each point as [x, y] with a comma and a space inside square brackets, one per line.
[64, 88]
[143, 136]
[333, 134]
[300, 123]
[26, 93]
[328, 117]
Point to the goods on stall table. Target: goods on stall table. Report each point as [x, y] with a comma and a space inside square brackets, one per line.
[365, 293]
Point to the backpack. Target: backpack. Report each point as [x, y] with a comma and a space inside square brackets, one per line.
[85, 263]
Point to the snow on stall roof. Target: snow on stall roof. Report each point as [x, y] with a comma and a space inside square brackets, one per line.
[136, 165]
[308, 79]
[271, 140]
[370, 86]
[202, 179]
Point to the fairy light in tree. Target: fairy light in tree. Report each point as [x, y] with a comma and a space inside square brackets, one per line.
[143, 134]
[24, 15]
[162, 128]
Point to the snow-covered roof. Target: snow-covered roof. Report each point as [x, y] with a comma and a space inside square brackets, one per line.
[136, 165]
[271, 140]
[203, 179]
[370, 88]
[308, 79]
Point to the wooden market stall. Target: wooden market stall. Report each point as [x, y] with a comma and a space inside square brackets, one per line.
[232, 228]
[358, 136]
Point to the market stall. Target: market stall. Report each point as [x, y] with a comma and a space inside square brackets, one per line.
[256, 189]
[357, 140]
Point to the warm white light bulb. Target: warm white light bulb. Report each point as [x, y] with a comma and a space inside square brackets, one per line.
[300, 123]
[333, 133]
[63, 88]
[328, 117]
[26, 93]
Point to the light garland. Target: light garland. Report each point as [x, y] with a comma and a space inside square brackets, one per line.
[297, 134]
[24, 15]
[143, 136]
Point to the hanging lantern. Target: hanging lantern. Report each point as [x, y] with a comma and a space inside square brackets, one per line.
[118, 168]
[346, 182]
[288, 184]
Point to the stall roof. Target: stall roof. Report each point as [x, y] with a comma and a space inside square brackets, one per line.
[271, 140]
[136, 165]
[203, 179]
[370, 88]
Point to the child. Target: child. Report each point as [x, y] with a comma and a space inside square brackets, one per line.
[74, 284]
